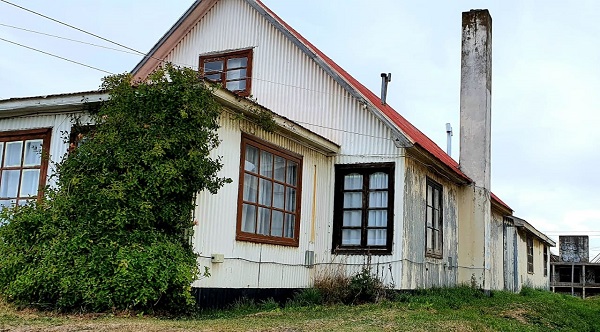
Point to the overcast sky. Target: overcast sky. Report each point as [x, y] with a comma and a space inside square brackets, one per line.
[545, 90]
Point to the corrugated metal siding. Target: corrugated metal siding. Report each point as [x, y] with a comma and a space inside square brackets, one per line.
[421, 271]
[60, 124]
[496, 252]
[249, 264]
[286, 81]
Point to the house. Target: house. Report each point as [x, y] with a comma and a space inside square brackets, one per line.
[574, 273]
[344, 182]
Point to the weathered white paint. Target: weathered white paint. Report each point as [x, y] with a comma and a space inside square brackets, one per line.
[421, 271]
[475, 143]
[537, 278]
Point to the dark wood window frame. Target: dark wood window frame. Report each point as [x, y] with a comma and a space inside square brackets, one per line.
[529, 240]
[434, 219]
[43, 134]
[222, 73]
[290, 191]
[365, 170]
[545, 261]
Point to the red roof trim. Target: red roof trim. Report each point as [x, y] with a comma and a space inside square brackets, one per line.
[412, 133]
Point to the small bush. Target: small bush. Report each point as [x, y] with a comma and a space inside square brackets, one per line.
[306, 297]
[336, 287]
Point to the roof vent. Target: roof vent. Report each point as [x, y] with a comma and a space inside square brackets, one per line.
[385, 79]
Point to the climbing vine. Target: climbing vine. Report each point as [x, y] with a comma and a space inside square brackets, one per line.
[109, 235]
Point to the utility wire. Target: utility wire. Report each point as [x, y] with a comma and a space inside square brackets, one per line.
[56, 56]
[69, 39]
[73, 27]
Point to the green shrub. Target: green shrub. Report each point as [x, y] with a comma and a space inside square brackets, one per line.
[306, 297]
[110, 235]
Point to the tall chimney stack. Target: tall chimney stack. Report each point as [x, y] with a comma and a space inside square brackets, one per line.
[474, 211]
[476, 96]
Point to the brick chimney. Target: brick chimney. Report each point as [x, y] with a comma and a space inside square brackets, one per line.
[475, 145]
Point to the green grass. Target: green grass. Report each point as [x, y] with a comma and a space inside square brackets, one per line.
[455, 309]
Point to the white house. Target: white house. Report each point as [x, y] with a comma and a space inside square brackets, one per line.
[344, 181]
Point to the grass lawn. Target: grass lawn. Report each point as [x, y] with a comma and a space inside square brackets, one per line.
[457, 309]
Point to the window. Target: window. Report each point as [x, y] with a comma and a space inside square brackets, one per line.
[434, 230]
[529, 254]
[363, 208]
[80, 134]
[233, 70]
[545, 261]
[269, 194]
[22, 165]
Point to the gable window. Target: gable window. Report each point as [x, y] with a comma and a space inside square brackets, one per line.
[363, 208]
[269, 193]
[529, 253]
[233, 70]
[434, 219]
[545, 261]
[22, 165]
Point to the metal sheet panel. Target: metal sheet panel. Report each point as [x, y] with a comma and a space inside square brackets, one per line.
[284, 79]
[422, 271]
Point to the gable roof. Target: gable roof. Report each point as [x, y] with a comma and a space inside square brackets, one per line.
[405, 133]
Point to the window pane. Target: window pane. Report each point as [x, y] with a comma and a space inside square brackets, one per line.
[10, 183]
[376, 237]
[264, 220]
[250, 188]
[25, 201]
[279, 169]
[1, 150]
[33, 152]
[237, 62]
[429, 237]
[236, 85]
[265, 192]
[290, 199]
[429, 216]
[352, 200]
[436, 198]
[378, 199]
[30, 182]
[429, 195]
[251, 159]
[213, 77]
[249, 218]
[278, 195]
[236, 74]
[378, 181]
[213, 66]
[7, 203]
[290, 224]
[350, 237]
[266, 164]
[13, 154]
[377, 218]
[277, 224]
[436, 219]
[292, 173]
[352, 218]
[353, 181]
[439, 239]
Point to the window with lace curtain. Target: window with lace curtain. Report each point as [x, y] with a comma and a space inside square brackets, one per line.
[363, 208]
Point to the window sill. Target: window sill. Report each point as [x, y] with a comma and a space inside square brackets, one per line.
[267, 240]
[361, 251]
[434, 255]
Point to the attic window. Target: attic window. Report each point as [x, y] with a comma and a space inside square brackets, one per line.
[232, 70]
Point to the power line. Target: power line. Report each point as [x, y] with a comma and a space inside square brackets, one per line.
[73, 27]
[69, 39]
[56, 56]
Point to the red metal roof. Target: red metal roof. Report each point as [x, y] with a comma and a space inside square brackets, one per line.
[410, 131]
